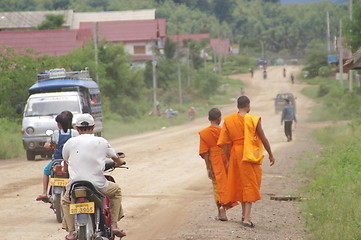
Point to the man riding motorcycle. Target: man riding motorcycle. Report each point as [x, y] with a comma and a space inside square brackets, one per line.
[85, 160]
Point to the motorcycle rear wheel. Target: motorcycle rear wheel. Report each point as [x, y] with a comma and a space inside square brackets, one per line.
[86, 232]
[58, 209]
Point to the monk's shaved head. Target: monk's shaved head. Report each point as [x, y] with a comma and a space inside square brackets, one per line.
[243, 101]
[214, 114]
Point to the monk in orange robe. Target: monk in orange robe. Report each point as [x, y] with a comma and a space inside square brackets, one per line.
[242, 139]
[215, 161]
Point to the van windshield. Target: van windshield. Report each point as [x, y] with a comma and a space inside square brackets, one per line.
[48, 106]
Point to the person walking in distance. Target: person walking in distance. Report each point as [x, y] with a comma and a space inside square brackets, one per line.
[292, 78]
[288, 116]
[251, 71]
[215, 161]
[284, 72]
[242, 139]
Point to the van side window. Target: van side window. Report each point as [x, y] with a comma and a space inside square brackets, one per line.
[95, 99]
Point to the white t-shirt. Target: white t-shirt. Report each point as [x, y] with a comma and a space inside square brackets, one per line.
[86, 155]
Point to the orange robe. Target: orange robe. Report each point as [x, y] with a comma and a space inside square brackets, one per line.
[244, 178]
[208, 144]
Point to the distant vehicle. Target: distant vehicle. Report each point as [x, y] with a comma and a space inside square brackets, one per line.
[294, 61]
[279, 101]
[55, 91]
[261, 63]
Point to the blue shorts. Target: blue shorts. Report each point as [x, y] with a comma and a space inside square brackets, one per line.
[47, 169]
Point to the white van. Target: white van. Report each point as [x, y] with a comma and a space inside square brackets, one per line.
[52, 94]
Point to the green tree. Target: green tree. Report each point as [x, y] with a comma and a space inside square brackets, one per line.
[195, 48]
[55, 4]
[316, 57]
[17, 5]
[169, 48]
[352, 29]
[18, 73]
[51, 21]
[223, 9]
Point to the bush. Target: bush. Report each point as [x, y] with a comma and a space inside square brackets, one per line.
[206, 83]
[323, 90]
[324, 71]
[237, 64]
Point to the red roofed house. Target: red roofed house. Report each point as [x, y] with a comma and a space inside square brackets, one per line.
[46, 42]
[179, 38]
[139, 36]
[221, 46]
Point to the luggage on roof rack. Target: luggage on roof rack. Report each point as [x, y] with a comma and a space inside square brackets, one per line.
[61, 73]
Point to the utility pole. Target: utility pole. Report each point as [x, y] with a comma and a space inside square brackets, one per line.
[180, 84]
[340, 55]
[154, 64]
[328, 32]
[179, 69]
[262, 49]
[95, 37]
[350, 72]
[188, 69]
[350, 9]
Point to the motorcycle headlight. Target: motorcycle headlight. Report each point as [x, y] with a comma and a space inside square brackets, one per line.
[30, 130]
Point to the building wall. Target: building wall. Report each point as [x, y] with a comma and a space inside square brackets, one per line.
[130, 48]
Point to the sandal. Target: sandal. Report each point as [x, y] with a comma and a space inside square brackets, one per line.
[119, 233]
[66, 238]
[250, 225]
[223, 219]
[42, 197]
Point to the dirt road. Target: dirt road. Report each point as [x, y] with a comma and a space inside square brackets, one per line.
[167, 194]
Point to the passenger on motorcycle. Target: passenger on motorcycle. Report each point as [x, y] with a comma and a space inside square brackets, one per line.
[59, 137]
[85, 157]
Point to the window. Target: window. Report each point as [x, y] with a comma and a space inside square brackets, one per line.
[139, 50]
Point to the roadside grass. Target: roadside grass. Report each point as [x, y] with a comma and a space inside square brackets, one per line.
[333, 192]
[333, 102]
[10, 139]
[114, 126]
[333, 209]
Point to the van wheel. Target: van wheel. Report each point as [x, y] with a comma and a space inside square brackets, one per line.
[30, 155]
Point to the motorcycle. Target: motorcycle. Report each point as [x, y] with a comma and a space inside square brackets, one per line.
[92, 209]
[58, 181]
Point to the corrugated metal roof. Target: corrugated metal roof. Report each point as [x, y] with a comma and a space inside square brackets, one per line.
[354, 62]
[48, 42]
[148, 14]
[129, 31]
[179, 38]
[30, 19]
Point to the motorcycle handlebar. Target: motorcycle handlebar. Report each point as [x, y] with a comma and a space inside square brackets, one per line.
[111, 164]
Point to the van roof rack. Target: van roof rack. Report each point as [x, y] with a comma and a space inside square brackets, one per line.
[61, 73]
